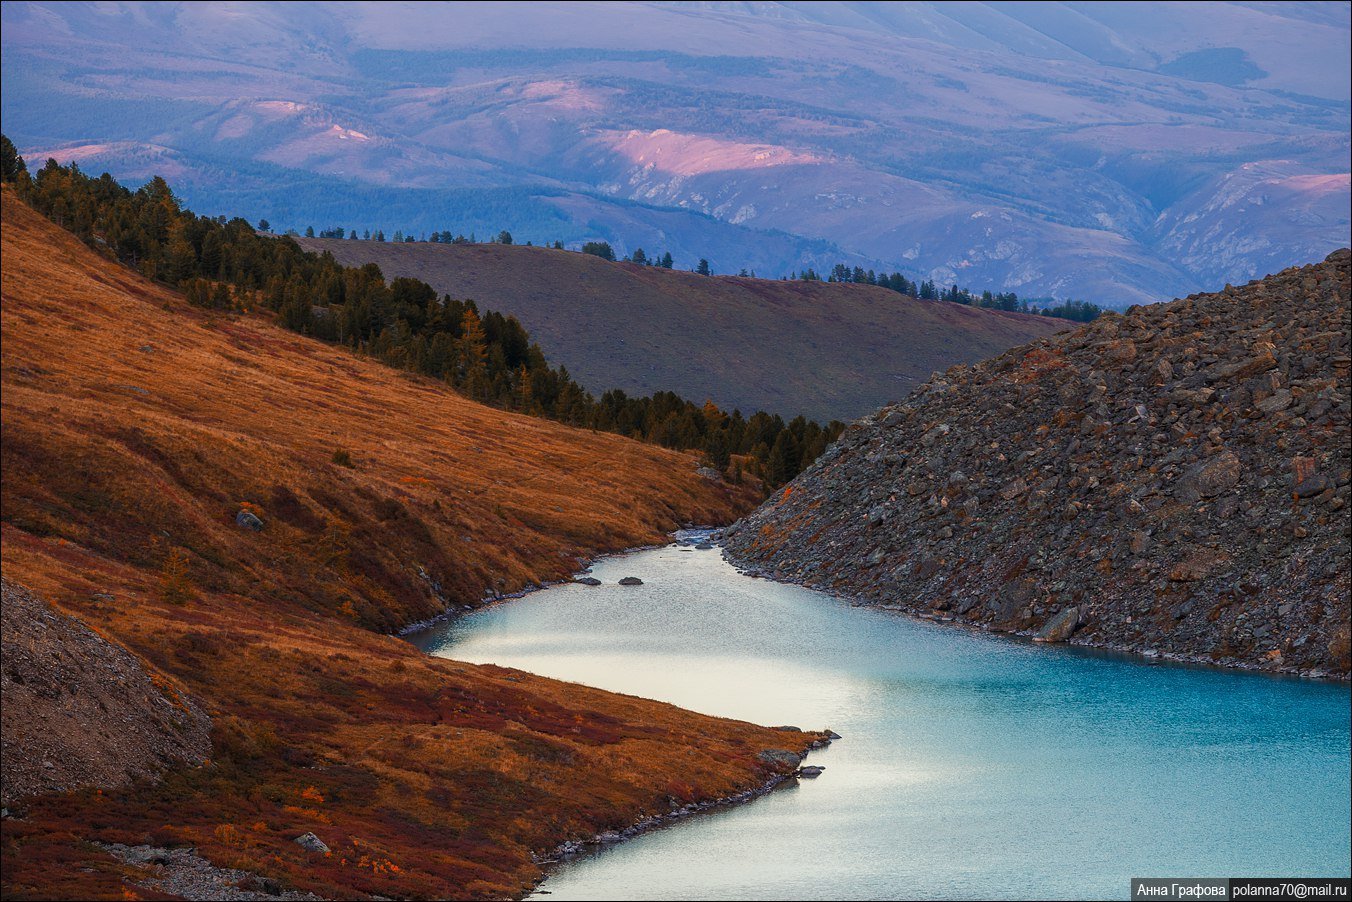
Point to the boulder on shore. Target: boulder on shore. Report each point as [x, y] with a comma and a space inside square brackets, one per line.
[780, 759]
[1061, 627]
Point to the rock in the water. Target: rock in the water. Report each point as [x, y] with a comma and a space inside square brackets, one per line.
[312, 843]
[587, 581]
[631, 581]
[811, 770]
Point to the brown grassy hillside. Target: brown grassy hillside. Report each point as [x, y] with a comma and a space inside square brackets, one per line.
[136, 429]
[134, 423]
[831, 351]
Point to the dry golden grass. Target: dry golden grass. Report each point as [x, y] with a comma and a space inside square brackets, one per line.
[135, 429]
[134, 423]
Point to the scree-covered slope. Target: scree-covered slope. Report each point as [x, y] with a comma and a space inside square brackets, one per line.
[1173, 481]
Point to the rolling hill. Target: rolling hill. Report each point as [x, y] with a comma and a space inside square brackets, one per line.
[172, 489]
[830, 351]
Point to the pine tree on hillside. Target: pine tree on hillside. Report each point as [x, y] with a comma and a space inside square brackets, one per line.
[600, 249]
[11, 164]
[782, 463]
[473, 352]
[227, 264]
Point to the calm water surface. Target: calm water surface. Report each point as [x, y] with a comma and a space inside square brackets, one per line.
[971, 766]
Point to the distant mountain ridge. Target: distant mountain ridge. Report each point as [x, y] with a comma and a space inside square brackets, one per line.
[829, 351]
[1097, 151]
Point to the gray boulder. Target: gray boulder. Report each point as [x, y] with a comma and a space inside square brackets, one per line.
[248, 520]
[1061, 627]
[312, 843]
[780, 759]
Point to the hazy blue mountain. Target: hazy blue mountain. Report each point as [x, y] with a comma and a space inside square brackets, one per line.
[1116, 152]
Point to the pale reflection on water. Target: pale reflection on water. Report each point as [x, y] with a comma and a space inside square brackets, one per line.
[971, 766]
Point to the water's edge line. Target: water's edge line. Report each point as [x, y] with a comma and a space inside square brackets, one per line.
[570, 849]
[492, 597]
[1146, 655]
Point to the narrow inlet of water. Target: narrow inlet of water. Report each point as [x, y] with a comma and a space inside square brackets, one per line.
[972, 766]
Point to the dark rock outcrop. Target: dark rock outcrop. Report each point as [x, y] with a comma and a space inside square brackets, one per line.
[79, 710]
[1172, 481]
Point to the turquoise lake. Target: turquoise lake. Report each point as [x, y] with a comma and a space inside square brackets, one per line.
[971, 766]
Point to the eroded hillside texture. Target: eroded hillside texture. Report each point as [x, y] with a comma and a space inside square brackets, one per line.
[1173, 481]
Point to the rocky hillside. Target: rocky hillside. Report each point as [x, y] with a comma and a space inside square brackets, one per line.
[82, 711]
[828, 350]
[1172, 482]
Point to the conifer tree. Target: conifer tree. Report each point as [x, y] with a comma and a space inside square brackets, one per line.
[473, 353]
[226, 264]
[11, 164]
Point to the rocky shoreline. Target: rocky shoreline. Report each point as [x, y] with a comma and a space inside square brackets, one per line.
[1150, 655]
[1172, 483]
[790, 766]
